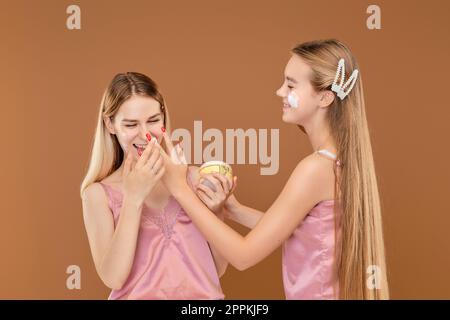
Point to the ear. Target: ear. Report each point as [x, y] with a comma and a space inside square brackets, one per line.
[109, 125]
[326, 98]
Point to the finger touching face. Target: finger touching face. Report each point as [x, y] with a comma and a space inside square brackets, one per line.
[136, 118]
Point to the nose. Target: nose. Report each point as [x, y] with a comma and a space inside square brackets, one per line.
[281, 92]
[143, 133]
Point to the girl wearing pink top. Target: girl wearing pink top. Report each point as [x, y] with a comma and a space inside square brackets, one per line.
[143, 244]
[327, 218]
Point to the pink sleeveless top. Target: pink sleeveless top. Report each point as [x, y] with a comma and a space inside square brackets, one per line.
[308, 256]
[172, 260]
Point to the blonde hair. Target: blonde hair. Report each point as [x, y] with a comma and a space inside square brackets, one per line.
[107, 154]
[360, 244]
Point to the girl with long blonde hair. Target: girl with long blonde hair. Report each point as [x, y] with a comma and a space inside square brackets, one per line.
[143, 244]
[327, 217]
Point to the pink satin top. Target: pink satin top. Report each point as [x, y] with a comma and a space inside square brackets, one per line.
[308, 256]
[172, 259]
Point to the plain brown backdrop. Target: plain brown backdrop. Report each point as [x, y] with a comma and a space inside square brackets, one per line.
[219, 62]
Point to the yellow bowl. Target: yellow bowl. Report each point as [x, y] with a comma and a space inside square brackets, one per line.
[219, 167]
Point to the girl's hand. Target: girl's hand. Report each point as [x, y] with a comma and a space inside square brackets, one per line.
[215, 192]
[139, 177]
[175, 167]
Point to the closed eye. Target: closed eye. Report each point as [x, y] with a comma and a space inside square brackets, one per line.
[134, 125]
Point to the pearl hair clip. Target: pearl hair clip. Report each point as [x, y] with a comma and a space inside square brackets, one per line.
[340, 88]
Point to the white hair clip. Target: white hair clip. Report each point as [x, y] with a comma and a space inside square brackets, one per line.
[340, 88]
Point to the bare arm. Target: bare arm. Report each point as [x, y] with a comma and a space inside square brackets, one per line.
[112, 250]
[298, 197]
[242, 214]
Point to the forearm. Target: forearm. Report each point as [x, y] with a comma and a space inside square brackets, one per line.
[230, 244]
[244, 215]
[117, 262]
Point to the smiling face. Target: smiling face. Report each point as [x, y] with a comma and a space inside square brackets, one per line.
[136, 117]
[300, 100]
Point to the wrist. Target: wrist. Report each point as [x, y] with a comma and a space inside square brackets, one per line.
[133, 201]
[231, 205]
[180, 189]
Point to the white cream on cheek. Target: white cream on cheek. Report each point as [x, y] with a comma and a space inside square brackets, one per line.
[292, 100]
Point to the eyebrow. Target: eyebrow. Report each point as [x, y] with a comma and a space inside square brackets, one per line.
[291, 79]
[132, 120]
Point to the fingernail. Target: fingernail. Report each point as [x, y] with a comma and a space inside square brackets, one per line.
[163, 129]
[149, 136]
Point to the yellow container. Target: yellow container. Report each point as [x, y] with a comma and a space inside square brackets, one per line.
[219, 167]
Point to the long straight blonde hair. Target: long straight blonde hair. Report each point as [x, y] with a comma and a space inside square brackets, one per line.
[360, 250]
[107, 154]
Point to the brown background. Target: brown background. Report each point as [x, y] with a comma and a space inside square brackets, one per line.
[221, 62]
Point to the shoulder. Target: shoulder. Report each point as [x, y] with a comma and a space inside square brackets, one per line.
[95, 203]
[314, 164]
[93, 193]
[316, 174]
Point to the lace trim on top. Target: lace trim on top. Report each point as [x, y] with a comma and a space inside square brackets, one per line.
[164, 218]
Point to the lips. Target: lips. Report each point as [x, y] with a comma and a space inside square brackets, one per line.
[140, 147]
